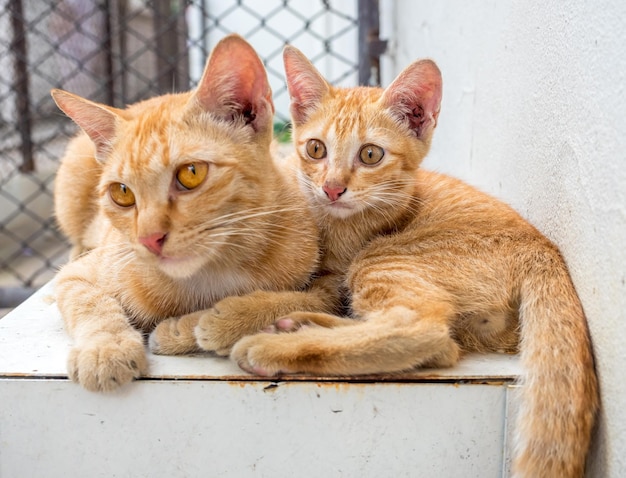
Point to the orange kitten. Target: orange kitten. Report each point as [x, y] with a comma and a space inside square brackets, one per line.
[181, 204]
[433, 267]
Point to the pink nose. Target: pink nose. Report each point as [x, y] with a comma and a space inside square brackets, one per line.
[333, 192]
[154, 242]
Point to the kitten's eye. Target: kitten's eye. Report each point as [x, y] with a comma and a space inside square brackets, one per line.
[315, 149]
[191, 175]
[121, 195]
[371, 154]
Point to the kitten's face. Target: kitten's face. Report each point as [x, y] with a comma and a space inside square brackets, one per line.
[179, 188]
[353, 156]
[360, 148]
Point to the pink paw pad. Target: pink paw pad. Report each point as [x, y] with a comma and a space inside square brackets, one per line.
[285, 324]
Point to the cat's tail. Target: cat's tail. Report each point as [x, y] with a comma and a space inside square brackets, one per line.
[559, 390]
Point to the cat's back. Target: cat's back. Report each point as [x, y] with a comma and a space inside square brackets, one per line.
[450, 218]
[75, 198]
[443, 200]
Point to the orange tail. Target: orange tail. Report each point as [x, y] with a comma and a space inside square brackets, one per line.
[559, 394]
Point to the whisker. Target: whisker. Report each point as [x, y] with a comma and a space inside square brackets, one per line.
[233, 218]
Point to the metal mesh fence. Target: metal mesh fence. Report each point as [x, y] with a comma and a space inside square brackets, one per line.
[119, 52]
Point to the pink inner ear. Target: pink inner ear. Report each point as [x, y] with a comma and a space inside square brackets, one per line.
[415, 96]
[98, 121]
[235, 82]
[306, 85]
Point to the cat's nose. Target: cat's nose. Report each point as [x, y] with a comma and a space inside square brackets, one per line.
[333, 192]
[154, 242]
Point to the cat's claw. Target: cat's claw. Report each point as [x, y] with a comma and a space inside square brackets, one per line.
[108, 361]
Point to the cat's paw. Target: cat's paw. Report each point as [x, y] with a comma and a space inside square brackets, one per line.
[259, 355]
[303, 320]
[106, 361]
[229, 320]
[215, 332]
[174, 336]
[286, 325]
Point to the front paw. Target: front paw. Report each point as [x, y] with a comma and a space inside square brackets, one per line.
[214, 333]
[106, 361]
[175, 336]
[228, 321]
[259, 355]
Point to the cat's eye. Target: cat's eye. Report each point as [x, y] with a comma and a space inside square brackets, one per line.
[371, 154]
[315, 149]
[191, 175]
[121, 195]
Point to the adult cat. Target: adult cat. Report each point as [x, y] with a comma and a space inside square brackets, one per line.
[433, 267]
[181, 204]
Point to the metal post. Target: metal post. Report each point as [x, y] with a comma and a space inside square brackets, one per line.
[169, 28]
[107, 44]
[370, 44]
[20, 86]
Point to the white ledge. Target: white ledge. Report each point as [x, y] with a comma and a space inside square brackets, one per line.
[203, 416]
[34, 344]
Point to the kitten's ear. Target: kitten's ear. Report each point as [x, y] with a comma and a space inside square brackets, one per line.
[234, 84]
[306, 85]
[98, 121]
[415, 97]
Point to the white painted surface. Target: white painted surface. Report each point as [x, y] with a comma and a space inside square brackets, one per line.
[238, 429]
[34, 344]
[202, 416]
[533, 112]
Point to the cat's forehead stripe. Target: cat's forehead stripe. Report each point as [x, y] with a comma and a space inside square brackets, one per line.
[353, 119]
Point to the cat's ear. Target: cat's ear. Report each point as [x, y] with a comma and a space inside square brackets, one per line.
[414, 97]
[306, 85]
[234, 85]
[98, 121]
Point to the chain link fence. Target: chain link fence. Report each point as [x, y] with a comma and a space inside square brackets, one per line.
[122, 51]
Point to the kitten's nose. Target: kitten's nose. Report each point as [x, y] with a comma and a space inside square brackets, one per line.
[154, 242]
[333, 192]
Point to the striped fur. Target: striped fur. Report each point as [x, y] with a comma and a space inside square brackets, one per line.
[176, 249]
[433, 268]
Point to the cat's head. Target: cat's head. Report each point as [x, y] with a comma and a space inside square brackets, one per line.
[182, 173]
[360, 148]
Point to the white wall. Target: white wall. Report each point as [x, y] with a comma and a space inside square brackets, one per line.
[534, 111]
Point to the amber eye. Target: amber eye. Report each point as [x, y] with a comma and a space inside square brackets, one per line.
[191, 175]
[315, 149]
[371, 154]
[121, 195]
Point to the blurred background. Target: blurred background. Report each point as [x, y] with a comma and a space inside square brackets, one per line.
[121, 51]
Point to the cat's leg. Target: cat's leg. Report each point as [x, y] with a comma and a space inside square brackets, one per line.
[300, 320]
[217, 329]
[391, 341]
[324, 298]
[235, 317]
[107, 351]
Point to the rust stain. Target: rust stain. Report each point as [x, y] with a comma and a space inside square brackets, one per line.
[271, 387]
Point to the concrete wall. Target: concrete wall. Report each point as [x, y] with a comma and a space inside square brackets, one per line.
[534, 112]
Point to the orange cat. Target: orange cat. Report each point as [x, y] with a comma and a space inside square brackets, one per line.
[180, 204]
[433, 267]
